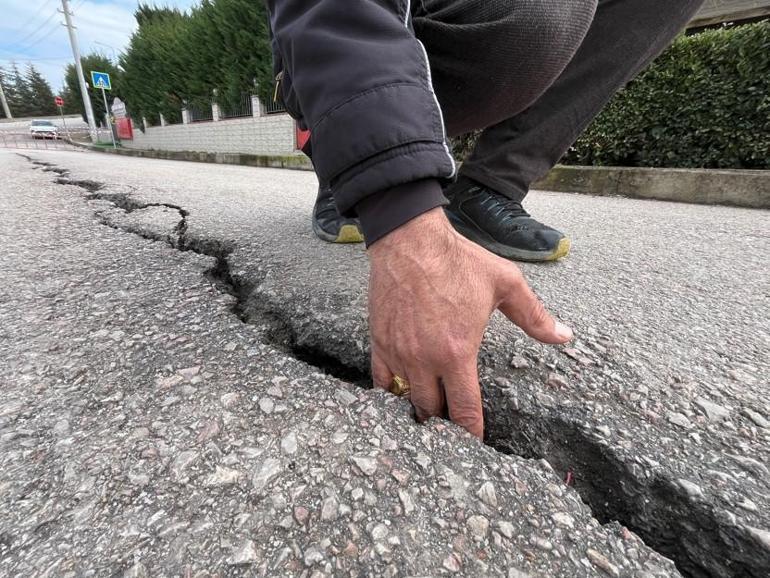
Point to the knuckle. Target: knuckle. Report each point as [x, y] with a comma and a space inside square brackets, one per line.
[468, 417]
[513, 274]
[538, 316]
[425, 405]
[456, 350]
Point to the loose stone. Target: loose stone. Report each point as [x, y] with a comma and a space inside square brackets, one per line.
[679, 419]
[601, 562]
[711, 410]
[756, 418]
[229, 400]
[210, 430]
[693, 490]
[182, 462]
[329, 509]
[189, 372]
[406, 501]
[452, 563]
[563, 519]
[301, 514]
[368, 466]
[245, 553]
[289, 444]
[556, 381]
[379, 532]
[479, 526]
[222, 477]
[313, 556]
[506, 529]
[266, 405]
[345, 397]
[269, 469]
[487, 494]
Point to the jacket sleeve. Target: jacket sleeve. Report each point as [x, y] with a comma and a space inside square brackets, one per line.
[354, 74]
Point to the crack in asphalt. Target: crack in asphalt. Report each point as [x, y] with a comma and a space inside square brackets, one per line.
[247, 306]
[659, 511]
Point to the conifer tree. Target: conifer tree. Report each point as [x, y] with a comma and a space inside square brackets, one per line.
[41, 95]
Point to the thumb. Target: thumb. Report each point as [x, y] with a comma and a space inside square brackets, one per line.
[520, 304]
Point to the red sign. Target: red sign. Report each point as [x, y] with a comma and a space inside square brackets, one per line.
[59, 101]
[125, 130]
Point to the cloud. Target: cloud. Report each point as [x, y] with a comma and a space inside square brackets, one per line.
[31, 31]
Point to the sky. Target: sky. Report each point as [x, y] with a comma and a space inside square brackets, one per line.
[32, 31]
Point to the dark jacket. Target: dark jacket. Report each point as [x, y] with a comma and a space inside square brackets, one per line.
[353, 72]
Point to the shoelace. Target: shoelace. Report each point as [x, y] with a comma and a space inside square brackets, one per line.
[500, 207]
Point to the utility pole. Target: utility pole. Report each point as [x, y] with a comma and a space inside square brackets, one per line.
[6, 110]
[79, 68]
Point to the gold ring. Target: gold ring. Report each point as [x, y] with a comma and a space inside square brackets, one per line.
[399, 386]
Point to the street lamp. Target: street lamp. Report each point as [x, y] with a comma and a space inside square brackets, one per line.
[114, 51]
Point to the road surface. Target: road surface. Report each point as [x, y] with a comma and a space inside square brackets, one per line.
[194, 402]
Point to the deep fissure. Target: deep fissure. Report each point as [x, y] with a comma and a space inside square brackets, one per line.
[280, 334]
[603, 482]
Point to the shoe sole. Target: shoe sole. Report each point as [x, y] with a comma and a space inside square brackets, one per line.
[346, 234]
[506, 251]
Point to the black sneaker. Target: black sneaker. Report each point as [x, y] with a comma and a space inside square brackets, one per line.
[329, 225]
[500, 224]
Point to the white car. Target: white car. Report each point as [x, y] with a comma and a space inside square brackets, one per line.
[43, 129]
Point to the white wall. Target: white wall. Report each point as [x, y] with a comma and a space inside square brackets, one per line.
[74, 121]
[265, 135]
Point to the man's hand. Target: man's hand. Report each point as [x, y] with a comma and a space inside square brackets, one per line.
[431, 293]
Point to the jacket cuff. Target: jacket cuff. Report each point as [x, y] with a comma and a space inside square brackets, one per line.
[387, 210]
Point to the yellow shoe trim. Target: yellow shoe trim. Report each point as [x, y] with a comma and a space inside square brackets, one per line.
[349, 234]
[561, 251]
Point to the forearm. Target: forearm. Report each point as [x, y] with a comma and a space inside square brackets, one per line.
[359, 79]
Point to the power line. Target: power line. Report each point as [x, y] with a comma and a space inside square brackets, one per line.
[38, 29]
[48, 33]
[21, 28]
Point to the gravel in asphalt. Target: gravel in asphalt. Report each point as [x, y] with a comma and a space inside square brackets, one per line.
[657, 414]
[146, 430]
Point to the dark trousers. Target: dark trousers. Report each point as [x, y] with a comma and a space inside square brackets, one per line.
[534, 73]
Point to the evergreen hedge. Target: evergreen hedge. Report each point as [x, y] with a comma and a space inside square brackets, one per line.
[703, 103]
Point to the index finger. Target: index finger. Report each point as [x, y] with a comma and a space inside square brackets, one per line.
[463, 397]
[520, 304]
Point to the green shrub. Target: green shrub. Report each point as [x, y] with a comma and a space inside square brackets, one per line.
[704, 103]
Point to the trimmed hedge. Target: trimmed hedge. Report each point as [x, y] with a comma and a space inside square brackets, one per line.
[704, 103]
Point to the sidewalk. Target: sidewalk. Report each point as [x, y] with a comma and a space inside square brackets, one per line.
[161, 409]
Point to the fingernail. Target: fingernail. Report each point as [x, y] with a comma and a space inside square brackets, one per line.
[563, 332]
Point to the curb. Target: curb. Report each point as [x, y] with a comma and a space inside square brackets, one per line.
[295, 162]
[738, 188]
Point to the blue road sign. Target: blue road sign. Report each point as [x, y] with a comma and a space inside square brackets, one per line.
[100, 80]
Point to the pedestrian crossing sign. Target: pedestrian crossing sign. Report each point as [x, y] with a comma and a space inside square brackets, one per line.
[100, 80]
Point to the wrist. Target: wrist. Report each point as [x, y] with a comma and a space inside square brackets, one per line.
[387, 210]
[422, 232]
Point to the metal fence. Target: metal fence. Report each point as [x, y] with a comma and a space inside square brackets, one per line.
[274, 107]
[200, 111]
[25, 141]
[237, 107]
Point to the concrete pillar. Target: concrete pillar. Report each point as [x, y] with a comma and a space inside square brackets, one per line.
[257, 109]
[214, 111]
[185, 116]
[144, 123]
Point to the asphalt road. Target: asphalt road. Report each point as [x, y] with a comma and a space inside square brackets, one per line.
[657, 414]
